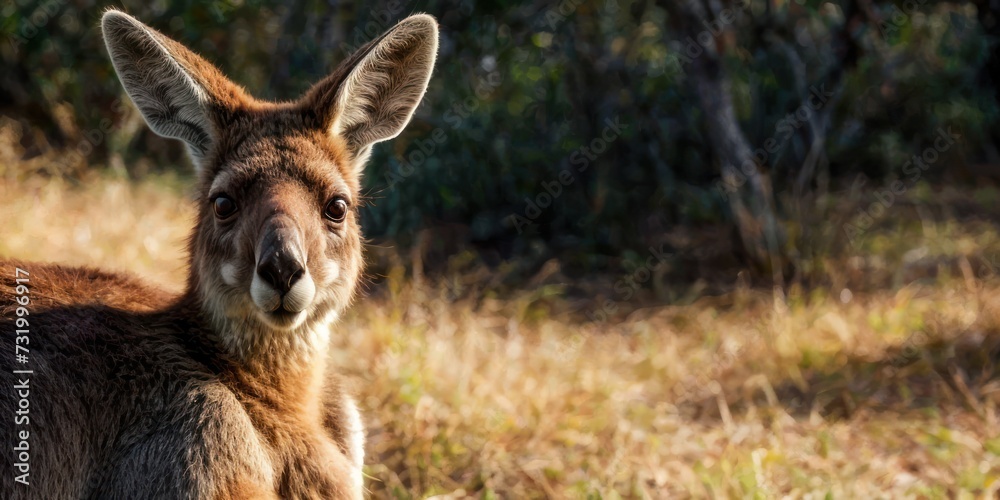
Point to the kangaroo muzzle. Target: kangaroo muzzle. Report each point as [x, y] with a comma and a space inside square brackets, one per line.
[280, 264]
[281, 282]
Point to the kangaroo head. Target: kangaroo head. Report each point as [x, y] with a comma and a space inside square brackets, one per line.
[276, 252]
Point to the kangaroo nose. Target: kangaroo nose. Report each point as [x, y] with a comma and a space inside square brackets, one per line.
[280, 273]
[280, 265]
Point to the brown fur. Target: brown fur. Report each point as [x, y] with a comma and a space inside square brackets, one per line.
[138, 394]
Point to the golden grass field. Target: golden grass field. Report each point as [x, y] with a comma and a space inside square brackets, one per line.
[825, 394]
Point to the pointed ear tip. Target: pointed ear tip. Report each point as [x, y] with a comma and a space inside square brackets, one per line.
[422, 21]
[116, 19]
[111, 15]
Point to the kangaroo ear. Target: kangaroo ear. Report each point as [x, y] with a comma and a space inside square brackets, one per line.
[372, 95]
[179, 94]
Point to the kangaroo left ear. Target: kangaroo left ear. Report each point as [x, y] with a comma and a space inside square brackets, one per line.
[372, 96]
[178, 93]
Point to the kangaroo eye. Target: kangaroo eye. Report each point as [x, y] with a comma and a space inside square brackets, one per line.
[336, 210]
[224, 206]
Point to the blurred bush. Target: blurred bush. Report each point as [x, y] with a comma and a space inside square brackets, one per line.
[572, 129]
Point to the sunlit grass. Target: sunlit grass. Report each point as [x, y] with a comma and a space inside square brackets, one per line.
[884, 393]
[111, 224]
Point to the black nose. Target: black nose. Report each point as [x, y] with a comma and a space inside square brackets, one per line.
[280, 273]
[280, 265]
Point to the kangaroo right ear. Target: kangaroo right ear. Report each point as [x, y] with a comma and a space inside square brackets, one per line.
[372, 95]
[179, 94]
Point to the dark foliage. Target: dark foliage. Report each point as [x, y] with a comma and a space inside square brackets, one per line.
[574, 130]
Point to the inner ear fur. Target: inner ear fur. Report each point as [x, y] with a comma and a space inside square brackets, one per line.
[179, 94]
[373, 94]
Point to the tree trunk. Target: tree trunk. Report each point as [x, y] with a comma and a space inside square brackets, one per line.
[745, 185]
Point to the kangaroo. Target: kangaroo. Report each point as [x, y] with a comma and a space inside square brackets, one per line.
[225, 391]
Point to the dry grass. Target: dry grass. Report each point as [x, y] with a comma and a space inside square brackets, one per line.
[891, 393]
